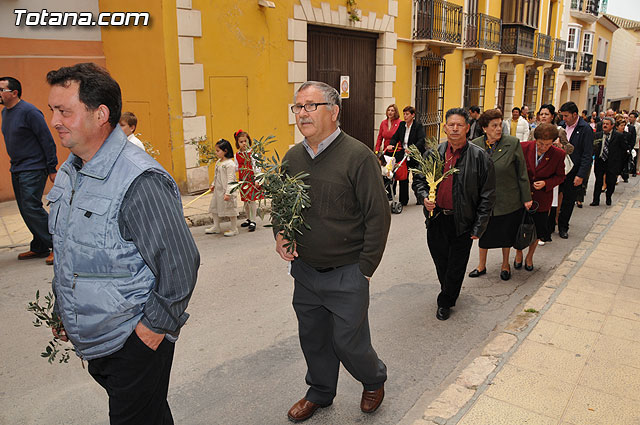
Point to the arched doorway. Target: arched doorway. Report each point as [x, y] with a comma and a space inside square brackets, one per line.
[564, 93]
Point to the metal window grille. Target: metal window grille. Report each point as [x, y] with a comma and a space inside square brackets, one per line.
[548, 86]
[575, 85]
[474, 82]
[430, 93]
[531, 88]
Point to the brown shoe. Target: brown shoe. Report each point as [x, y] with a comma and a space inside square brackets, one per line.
[49, 259]
[303, 410]
[30, 254]
[371, 400]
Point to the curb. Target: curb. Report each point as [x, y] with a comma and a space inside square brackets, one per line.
[458, 398]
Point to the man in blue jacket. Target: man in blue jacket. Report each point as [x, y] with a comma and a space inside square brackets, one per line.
[125, 264]
[32, 152]
[580, 135]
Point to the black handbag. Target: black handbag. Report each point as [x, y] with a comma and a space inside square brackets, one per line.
[527, 229]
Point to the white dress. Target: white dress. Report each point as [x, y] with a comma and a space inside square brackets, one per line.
[224, 176]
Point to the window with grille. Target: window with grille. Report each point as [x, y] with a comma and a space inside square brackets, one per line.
[430, 93]
[548, 86]
[531, 88]
[575, 85]
[474, 81]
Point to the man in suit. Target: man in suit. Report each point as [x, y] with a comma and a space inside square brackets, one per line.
[410, 132]
[580, 135]
[633, 121]
[630, 137]
[609, 160]
[474, 130]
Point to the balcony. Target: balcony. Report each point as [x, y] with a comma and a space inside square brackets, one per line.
[586, 62]
[437, 20]
[543, 46]
[585, 10]
[559, 50]
[578, 64]
[601, 69]
[481, 32]
[517, 39]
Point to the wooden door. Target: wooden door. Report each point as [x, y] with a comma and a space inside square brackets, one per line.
[333, 52]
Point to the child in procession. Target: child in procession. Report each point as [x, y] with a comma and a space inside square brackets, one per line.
[249, 192]
[223, 202]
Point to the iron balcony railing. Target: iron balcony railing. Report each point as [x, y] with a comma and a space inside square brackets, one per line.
[601, 69]
[437, 20]
[586, 6]
[543, 46]
[517, 39]
[559, 50]
[578, 62]
[482, 31]
[586, 62]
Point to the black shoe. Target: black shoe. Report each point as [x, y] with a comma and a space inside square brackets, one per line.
[443, 313]
[505, 275]
[594, 204]
[626, 180]
[476, 272]
[578, 204]
[563, 234]
[252, 227]
[517, 265]
[246, 223]
[608, 201]
[528, 268]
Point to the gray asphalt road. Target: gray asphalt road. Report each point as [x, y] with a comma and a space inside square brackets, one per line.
[238, 359]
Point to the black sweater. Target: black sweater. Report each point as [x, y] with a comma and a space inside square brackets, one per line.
[349, 214]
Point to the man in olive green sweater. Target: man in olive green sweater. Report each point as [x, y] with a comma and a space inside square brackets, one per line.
[333, 262]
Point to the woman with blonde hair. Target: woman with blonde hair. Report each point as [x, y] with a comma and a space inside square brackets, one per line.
[388, 127]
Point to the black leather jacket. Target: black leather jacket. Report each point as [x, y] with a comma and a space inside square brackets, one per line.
[474, 190]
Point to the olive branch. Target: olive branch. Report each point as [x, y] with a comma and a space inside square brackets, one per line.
[431, 166]
[46, 316]
[289, 195]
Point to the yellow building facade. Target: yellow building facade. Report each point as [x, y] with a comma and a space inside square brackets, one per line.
[205, 69]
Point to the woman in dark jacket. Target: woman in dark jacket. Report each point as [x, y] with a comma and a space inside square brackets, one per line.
[512, 191]
[545, 167]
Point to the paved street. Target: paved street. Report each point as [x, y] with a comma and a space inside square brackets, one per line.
[238, 359]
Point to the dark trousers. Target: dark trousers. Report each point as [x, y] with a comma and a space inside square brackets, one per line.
[333, 325]
[582, 189]
[551, 221]
[28, 187]
[137, 380]
[602, 174]
[404, 191]
[450, 254]
[569, 195]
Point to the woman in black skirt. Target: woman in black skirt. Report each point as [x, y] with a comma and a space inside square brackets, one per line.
[512, 191]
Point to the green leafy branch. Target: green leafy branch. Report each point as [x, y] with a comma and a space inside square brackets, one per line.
[206, 153]
[431, 166]
[148, 147]
[46, 316]
[289, 195]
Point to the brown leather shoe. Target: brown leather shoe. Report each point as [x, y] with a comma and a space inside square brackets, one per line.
[303, 410]
[30, 254]
[371, 400]
[49, 259]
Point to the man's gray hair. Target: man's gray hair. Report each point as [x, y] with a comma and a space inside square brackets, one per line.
[331, 95]
[610, 119]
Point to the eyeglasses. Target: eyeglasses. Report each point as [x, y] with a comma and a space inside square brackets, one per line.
[309, 107]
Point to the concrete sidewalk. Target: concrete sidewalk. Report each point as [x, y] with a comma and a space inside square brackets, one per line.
[572, 355]
[14, 233]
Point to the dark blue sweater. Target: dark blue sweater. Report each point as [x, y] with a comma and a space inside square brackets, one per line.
[28, 140]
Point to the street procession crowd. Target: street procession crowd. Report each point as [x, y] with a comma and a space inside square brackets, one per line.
[126, 264]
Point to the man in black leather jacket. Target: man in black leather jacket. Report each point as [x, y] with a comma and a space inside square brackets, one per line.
[462, 208]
